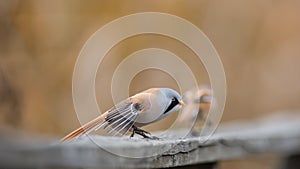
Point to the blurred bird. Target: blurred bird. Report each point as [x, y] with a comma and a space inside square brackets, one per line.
[198, 102]
[139, 110]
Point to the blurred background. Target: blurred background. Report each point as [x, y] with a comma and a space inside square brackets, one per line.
[258, 42]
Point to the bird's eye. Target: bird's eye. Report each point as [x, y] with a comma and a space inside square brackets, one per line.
[173, 99]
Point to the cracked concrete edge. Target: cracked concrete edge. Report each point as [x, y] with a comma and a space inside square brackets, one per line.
[231, 141]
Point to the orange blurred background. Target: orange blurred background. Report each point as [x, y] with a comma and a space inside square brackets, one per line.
[258, 42]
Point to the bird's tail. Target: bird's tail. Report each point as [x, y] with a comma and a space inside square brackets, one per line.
[85, 129]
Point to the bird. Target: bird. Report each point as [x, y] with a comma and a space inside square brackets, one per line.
[198, 102]
[141, 109]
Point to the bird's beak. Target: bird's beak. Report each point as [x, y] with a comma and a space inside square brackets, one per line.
[181, 103]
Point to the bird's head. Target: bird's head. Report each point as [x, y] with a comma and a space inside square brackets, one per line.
[173, 99]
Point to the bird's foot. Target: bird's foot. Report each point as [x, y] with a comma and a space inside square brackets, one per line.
[143, 133]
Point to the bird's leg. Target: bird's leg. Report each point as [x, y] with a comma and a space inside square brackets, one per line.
[142, 133]
[139, 132]
[132, 134]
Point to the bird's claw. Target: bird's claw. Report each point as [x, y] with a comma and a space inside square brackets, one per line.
[143, 133]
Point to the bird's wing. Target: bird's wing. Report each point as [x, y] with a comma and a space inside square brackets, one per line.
[116, 121]
[121, 117]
